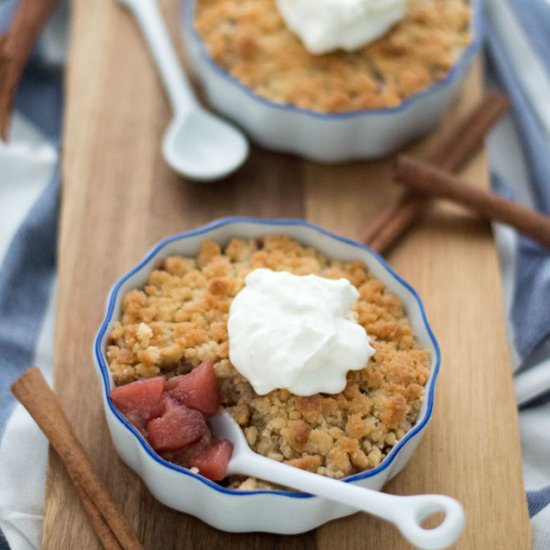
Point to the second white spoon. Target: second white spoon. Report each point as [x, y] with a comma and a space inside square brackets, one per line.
[197, 144]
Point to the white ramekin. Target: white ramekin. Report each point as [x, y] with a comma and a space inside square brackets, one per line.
[328, 138]
[243, 511]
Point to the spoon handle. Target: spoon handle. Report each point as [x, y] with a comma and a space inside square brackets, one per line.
[148, 16]
[406, 512]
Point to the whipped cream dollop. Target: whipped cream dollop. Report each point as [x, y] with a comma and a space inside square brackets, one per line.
[296, 332]
[326, 25]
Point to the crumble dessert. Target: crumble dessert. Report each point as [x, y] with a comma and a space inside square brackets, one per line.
[179, 319]
[249, 39]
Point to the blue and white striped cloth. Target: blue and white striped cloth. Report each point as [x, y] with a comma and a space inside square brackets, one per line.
[518, 46]
[28, 227]
[518, 52]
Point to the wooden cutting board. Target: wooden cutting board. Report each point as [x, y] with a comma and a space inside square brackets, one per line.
[119, 198]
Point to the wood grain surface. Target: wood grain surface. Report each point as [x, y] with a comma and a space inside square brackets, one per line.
[119, 198]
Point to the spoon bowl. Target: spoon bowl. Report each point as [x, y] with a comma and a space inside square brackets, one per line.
[405, 512]
[202, 147]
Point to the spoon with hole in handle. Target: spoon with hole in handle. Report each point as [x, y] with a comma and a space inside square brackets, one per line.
[405, 512]
[197, 144]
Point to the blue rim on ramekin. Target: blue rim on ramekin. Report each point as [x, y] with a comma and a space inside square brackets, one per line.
[104, 370]
[463, 60]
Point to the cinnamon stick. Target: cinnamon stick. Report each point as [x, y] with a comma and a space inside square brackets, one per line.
[101, 527]
[395, 220]
[110, 524]
[436, 183]
[15, 49]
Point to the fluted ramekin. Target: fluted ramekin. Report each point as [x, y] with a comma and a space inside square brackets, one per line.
[328, 138]
[262, 510]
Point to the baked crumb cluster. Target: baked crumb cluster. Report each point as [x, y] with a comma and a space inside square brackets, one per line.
[180, 318]
[249, 39]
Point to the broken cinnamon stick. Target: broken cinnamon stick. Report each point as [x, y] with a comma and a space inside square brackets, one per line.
[436, 183]
[15, 49]
[384, 230]
[112, 527]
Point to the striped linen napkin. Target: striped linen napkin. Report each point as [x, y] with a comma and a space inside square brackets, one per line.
[518, 48]
[519, 54]
[28, 229]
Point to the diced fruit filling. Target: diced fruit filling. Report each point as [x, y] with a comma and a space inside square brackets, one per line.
[140, 401]
[187, 454]
[177, 427]
[197, 390]
[213, 462]
[172, 413]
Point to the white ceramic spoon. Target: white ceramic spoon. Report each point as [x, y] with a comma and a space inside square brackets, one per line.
[406, 513]
[197, 144]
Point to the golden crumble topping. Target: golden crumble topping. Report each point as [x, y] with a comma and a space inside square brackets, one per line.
[180, 318]
[249, 39]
